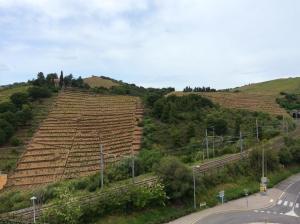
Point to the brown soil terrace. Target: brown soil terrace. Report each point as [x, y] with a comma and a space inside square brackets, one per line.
[67, 143]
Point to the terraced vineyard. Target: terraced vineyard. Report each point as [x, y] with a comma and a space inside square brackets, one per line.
[67, 143]
[242, 100]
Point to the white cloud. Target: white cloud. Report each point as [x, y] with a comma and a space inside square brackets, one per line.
[195, 42]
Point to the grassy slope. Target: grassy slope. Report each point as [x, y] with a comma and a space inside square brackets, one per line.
[273, 87]
[7, 92]
[96, 81]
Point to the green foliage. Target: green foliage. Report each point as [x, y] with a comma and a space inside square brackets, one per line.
[7, 106]
[19, 99]
[271, 159]
[14, 141]
[7, 128]
[176, 176]
[147, 159]
[218, 123]
[9, 117]
[291, 152]
[126, 200]
[285, 156]
[37, 92]
[66, 209]
[172, 109]
[289, 101]
[2, 137]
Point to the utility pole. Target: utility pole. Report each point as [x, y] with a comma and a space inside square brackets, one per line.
[101, 166]
[206, 140]
[241, 142]
[213, 143]
[257, 134]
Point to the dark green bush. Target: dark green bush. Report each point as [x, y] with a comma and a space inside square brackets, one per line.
[176, 177]
[7, 128]
[7, 106]
[37, 92]
[19, 99]
[15, 141]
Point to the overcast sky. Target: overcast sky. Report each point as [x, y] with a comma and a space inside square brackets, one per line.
[152, 42]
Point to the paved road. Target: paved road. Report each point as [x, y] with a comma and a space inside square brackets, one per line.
[286, 210]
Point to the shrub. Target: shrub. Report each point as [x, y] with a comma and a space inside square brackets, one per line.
[2, 137]
[7, 106]
[15, 141]
[7, 128]
[147, 159]
[176, 177]
[125, 200]
[24, 115]
[9, 117]
[285, 156]
[65, 210]
[19, 99]
[36, 92]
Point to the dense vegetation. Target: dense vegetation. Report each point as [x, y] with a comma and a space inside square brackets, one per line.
[289, 101]
[177, 125]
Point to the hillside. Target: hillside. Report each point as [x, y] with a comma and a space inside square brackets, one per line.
[273, 87]
[5, 93]
[67, 143]
[96, 81]
[241, 100]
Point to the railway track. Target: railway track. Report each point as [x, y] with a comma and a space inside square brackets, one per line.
[27, 213]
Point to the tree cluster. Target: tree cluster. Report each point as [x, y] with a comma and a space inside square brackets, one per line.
[48, 81]
[199, 89]
[14, 113]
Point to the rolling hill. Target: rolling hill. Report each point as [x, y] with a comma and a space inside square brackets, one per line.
[254, 97]
[273, 87]
[241, 100]
[98, 81]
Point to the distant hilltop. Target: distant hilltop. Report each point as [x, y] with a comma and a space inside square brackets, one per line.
[100, 81]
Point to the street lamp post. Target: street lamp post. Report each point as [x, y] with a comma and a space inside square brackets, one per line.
[246, 194]
[194, 180]
[33, 204]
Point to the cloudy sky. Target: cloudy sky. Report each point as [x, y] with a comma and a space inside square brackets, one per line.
[152, 42]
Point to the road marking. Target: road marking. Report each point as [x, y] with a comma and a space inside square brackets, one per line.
[281, 213]
[262, 211]
[268, 212]
[274, 213]
[297, 205]
[256, 211]
[291, 204]
[279, 202]
[285, 203]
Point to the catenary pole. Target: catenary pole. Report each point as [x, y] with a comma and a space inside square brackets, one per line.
[101, 166]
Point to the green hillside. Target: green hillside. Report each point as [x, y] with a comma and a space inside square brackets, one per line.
[273, 87]
[5, 93]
